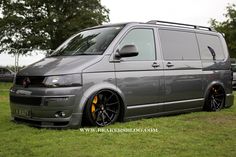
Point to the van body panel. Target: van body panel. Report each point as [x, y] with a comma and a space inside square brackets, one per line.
[140, 84]
[183, 85]
[182, 72]
[140, 81]
[60, 65]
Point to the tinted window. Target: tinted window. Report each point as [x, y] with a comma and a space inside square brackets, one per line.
[178, 45]
[88, 42]
[143, 39]
[209, 45]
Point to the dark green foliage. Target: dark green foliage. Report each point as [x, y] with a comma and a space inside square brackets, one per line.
[228, 27]
[45, 24]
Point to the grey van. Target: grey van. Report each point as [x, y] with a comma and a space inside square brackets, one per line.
[126, 71]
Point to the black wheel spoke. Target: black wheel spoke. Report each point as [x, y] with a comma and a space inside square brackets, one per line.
[97, 118]
[109, 98]
[218, 99]
[99, 99]
[111, 104]
[103, 119]
[105, 100]
[217, 104]
[219, 95]
[112, 111]
[212, 104]
[110, 119]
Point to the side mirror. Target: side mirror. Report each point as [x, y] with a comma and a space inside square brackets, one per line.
[127, 51]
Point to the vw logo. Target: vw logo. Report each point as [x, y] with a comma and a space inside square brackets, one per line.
[26, 82]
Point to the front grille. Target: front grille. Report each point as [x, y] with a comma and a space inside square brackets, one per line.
[35, 81]
[32, 101]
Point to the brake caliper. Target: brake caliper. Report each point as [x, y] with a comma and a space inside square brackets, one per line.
[94, 103]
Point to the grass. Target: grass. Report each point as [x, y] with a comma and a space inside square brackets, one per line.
[194, 134]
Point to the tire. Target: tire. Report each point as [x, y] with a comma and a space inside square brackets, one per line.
[215, 99]
[102, 108]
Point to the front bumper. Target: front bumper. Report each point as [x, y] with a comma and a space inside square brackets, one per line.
[46, 107]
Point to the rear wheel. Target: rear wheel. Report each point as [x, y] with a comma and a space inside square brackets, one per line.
[215, 99]
[103, 108]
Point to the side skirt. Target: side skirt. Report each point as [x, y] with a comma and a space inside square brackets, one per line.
[167, 108]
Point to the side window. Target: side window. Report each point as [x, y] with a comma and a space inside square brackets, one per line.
[178, 45]
[143, 39]
[210, 45]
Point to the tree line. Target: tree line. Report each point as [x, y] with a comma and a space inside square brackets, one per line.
[45, 24]
[228, 28]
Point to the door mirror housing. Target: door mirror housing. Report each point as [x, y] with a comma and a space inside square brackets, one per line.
[127, 51]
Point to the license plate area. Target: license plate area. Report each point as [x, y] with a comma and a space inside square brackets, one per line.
[22, 112]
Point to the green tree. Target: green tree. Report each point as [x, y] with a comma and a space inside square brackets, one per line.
[228, 27]
[45, 24]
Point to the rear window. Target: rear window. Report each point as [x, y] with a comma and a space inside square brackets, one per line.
[210, 45]
[177, 45]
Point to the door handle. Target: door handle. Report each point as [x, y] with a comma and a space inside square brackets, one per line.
[155, 65]
[169, 64]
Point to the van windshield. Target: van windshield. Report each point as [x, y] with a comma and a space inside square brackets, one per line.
[88, 42]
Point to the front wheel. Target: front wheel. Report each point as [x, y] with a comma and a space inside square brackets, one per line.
[215, 99]
[103, 108]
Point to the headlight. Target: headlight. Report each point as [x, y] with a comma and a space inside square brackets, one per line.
[63, 81]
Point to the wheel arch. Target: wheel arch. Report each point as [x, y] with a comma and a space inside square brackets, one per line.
[103, 86]
[212, 84]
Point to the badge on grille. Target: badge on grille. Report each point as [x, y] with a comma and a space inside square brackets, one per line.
[26, 82]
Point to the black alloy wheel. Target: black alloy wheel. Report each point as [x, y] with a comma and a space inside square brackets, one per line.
[216, 99]
[103, 108]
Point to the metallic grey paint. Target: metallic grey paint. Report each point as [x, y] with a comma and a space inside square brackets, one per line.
[144, 90]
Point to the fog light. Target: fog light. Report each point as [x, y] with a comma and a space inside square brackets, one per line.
[63, 114]
[56, 115]
[59, 114]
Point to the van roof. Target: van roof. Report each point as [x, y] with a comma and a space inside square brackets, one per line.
[181, 25]
[159, 23]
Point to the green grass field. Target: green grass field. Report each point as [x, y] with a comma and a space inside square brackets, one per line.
[194, 134]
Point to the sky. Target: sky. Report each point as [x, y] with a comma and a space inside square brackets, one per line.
[197, 12]
[6, 59]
